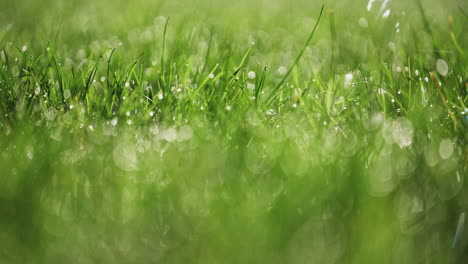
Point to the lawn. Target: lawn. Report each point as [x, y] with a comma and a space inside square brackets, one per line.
[249, 131]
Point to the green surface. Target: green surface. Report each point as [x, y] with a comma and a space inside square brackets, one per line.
[232, 132]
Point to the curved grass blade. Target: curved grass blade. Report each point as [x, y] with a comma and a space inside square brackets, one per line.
[164, 42]
[278, 89]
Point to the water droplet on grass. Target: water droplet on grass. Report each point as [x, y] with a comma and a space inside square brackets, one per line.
[348, 78]
[30, 152]
[251, 75]
[114, 122]
[66, 94]
[446, 148]
[271, 112]
[386, 13]
[402, 132]
[442, 67]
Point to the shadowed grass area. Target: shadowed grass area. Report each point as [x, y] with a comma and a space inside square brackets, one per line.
[233, 132]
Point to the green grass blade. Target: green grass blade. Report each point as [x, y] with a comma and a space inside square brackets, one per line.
[277, 89]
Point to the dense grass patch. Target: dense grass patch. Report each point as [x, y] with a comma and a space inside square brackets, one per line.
[233, 132]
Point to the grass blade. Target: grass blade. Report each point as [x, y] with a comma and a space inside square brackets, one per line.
[277, 89]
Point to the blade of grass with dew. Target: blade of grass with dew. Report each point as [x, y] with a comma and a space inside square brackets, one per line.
[277, 90]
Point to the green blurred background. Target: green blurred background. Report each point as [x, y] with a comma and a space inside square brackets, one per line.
[362, 181]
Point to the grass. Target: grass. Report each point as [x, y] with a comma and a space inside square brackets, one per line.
[233, 132]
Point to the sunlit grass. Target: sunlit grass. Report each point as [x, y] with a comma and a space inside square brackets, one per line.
[233, 132]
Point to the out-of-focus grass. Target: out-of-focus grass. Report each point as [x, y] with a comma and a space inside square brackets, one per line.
[170, 132]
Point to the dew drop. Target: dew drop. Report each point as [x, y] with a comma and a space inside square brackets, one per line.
[114, 122]
[442, 67]
[66, 94]
[386, 13]
[446, 148]
[348, 78]
[402, 132]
